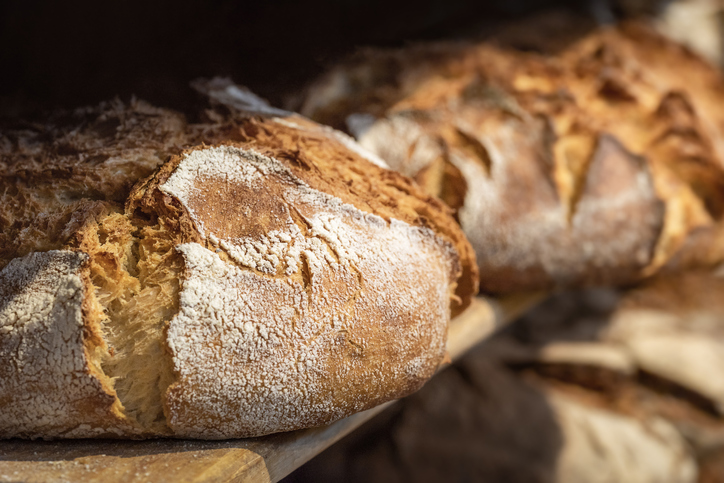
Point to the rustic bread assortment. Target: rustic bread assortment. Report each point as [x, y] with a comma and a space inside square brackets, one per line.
[258, 272]
[601, 164]
[236, 277]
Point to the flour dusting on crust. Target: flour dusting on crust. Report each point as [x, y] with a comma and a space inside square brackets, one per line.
[319, 311]
[45, 386]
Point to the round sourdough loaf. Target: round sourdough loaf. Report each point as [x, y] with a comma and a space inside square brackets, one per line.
[268, 276]
[599, 165]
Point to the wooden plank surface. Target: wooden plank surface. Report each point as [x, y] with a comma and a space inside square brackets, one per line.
[264, 459]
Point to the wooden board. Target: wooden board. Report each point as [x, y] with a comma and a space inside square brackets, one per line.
[265, 459]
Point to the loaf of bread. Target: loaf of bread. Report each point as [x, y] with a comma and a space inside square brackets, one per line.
[599, 165]
[232, 278]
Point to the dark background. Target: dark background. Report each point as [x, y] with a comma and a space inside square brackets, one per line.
[68, 54]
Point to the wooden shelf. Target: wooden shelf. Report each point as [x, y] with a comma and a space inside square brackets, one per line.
[265, 459]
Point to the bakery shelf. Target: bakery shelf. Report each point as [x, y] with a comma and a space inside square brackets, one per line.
[264, 459]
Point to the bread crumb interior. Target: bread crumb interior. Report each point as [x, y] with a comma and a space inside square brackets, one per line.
[135, 271]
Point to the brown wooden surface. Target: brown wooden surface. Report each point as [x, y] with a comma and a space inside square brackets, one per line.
[265, 459]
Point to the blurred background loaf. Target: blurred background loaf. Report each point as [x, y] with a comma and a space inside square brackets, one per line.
[599, 165]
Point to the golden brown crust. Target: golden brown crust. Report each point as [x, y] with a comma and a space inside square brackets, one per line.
[259, 234]
[56, 175]
[329, 166]
[321, 286]
[534, 141]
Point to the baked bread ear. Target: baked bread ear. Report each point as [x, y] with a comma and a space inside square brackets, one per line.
[272, 281]
[596, 166]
